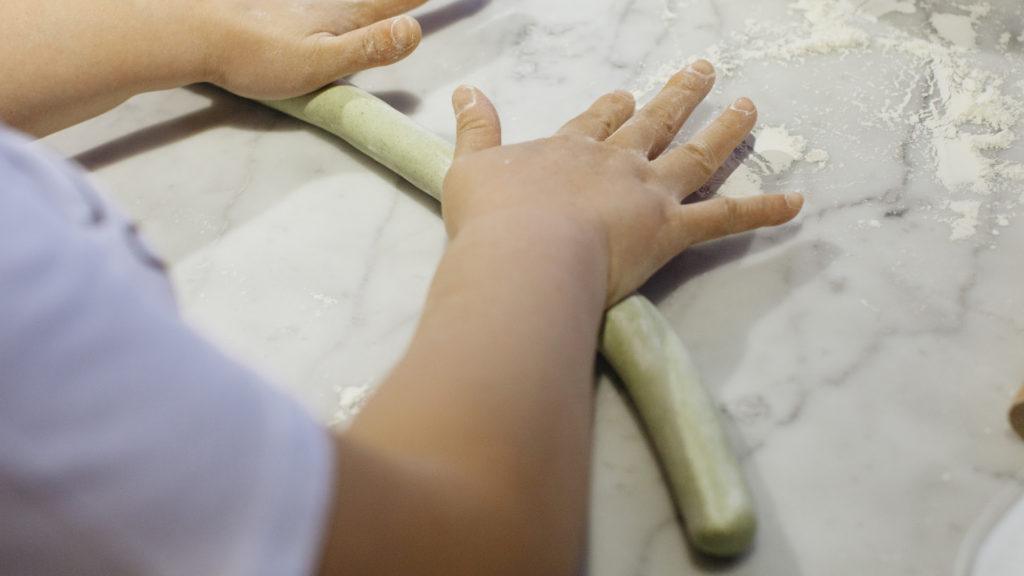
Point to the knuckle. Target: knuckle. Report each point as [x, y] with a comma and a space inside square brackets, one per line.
[371, 44]
[472, 123]
[663, 113]
[659, 122]
[606, 124]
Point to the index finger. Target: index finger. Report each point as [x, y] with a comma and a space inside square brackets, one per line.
[652, 129]
[370, 11]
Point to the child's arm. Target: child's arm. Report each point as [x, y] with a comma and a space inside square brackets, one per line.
[473, 458]
[66, 61]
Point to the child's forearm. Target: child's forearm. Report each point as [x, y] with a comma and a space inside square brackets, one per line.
[495, 390]
[64, 62]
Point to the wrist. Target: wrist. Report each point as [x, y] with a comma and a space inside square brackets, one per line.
[543, 249]
[176, 38]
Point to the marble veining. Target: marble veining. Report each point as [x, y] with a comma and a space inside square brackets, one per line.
[863, 356]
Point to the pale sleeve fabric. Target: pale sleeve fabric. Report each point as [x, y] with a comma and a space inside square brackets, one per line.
[128, 444]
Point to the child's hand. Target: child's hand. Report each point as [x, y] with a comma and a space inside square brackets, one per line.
[66, 60]
[272, 49]
[604, 172]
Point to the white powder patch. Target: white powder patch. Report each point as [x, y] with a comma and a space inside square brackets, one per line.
[960, 162]
[830, 32]
[869, 223]
[963, 118]
[956, 28]
[967, 117]
[966, 224]
[878, 8]
[817, 156]
[742, 183]
[1012, 171]
[777, 149]
[324, 299]
[351, 400]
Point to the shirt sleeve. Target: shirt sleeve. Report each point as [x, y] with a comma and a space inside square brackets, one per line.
[128, 445]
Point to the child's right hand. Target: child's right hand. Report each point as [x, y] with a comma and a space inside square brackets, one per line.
[606, 176]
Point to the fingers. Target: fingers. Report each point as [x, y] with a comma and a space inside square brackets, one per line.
[687, 167]
[477, 124]
[369, 11]
[703, 221]
[603, 118]
[379, 44]
[654, 127]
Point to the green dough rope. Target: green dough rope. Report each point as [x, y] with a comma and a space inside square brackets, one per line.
[702, 469]
[376, 129]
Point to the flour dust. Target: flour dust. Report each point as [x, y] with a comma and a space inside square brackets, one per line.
[968, 114]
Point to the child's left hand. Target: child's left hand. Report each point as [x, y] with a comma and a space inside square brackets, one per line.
[271, 49]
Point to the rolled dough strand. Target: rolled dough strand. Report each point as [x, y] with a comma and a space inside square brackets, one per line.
[702, 469]
[703, 472]
[376, 129]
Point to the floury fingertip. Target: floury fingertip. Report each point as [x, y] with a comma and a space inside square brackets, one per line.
[744, 106]
[701, 68]
[464, 98]
[404, 32]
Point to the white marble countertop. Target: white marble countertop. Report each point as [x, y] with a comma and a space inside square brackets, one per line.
[863, 357]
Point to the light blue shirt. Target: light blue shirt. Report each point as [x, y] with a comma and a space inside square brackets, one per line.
[128, 445]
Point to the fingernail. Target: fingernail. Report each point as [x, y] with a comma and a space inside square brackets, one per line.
[743, 105]
[702, 68]
[463, 99]
[403, 32]
[793, 200]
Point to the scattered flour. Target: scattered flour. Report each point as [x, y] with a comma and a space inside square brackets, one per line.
[956, 28]
[324, 299]
[873, 9]
[776, 150]
[351, 400]
[1012, 171]
[743, 182]
[817, 156]
[966, 118]
[966, 115]
[965, 225]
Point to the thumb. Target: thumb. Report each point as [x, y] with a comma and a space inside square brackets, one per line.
[477, 126]
[378, 44]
